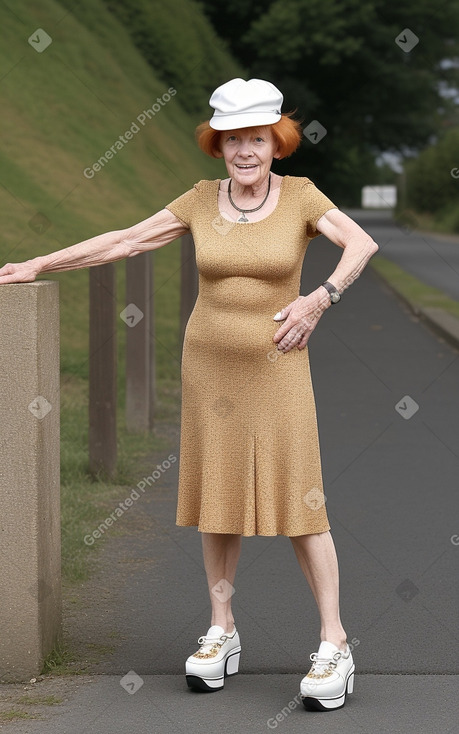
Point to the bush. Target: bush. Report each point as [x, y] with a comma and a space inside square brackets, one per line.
[430, 186]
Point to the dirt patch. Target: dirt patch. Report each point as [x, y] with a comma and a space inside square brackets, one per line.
[32, 700]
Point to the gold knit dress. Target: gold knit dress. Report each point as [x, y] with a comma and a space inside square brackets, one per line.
[249, 449]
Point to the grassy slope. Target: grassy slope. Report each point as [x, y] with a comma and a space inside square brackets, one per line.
[61, 109]
[65, 107]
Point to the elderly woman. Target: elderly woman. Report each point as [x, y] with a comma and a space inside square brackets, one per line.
[249, 450]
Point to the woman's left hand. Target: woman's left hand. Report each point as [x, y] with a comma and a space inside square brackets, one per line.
[301, 317]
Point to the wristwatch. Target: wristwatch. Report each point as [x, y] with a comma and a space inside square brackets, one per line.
[334, 293]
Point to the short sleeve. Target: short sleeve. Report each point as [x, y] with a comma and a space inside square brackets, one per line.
[314, 204]
[185, 205]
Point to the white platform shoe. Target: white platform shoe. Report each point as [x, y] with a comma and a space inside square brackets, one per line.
[216, 659]
[330, 679]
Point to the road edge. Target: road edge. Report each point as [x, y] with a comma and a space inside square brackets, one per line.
[440, 321]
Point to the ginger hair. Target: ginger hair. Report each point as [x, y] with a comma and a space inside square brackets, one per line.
[287, 134]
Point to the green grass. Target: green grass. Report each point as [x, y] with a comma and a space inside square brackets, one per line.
[14, 715]
[62, 661]
[444, 221]
[418, 294]
[61, 110]
[101, 649]
[85, 502]
[28, 700]
[40, 700]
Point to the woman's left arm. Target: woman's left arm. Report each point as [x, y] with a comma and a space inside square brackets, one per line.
[358, 247]
[301, 316]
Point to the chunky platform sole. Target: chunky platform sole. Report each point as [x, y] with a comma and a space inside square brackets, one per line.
[229, 665]
[329, 704]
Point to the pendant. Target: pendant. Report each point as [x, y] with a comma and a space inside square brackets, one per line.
[243, 218]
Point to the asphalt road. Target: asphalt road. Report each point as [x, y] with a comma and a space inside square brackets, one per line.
[388, 404]
[433, 259]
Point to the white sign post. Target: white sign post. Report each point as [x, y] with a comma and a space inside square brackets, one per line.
[379, 197]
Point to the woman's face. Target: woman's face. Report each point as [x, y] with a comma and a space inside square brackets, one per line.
[248, 153]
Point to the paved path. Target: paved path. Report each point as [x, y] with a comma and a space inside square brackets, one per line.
[433, 258]
[388, 407]
[251, 704]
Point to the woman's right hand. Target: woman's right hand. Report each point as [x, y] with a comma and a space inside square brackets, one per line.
[24, 272]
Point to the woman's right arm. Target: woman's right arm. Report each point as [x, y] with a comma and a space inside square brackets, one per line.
[150, 234]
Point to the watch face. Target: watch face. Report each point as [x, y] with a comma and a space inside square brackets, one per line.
[335, 297]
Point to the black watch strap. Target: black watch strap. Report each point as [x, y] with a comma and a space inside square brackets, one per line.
[334, 293]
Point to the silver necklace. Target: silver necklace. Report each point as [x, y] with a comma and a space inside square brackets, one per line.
[243, 218]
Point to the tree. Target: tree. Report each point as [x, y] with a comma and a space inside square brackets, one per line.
[338, 62]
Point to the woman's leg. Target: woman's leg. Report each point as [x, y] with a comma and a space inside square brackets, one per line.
[221, 553]
[317, 557]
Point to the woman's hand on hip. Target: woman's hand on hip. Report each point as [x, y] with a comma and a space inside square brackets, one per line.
[300, 319]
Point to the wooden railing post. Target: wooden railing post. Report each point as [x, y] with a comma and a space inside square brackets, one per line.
[102, 369]
[152, 345]
[189, 282]
[139, 347]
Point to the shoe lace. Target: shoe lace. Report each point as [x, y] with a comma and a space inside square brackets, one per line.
[207, 643]
[320, 665]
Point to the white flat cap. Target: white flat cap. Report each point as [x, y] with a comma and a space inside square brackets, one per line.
[238, 103]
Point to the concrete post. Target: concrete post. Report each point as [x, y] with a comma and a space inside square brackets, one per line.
[30, 563]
